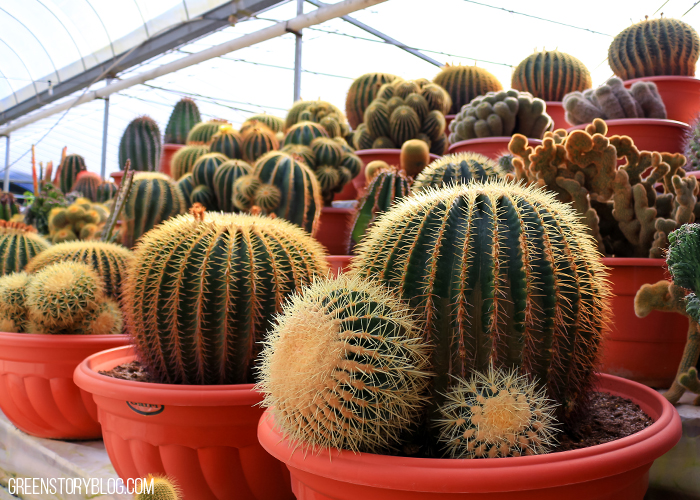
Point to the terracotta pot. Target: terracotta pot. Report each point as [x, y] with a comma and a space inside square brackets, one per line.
[339, 263]
[556, 110]
[681, 95]
[664, 136]
[448, 119]
[166, 155]
[203, 436]
[491, 147]
[117, 176]
[647, 350]
[334, 229]
[612, 471]
[37, 392]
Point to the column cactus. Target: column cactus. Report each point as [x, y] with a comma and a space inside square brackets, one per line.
[218, 280]
[141, 143]
[184, 117]
[68, 172]
[19, 243]
[550, 74]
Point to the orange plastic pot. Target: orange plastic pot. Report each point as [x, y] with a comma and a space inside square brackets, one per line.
[649, 134]
[556, 110]
[339, 263]
[166, 155]
[681, 95]
[618, 470]
[491, 147]
[117, 176]
[203, 436]
[334, 229]
[647, 350]
[37, 392]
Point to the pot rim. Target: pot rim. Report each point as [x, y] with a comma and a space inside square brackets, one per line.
[662, 78]
[495, 140]
[492, 475]
[39, 340]
[386, 151]
[633, 262]
[637, 121]
[87, 378]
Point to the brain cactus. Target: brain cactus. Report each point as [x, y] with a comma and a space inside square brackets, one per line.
[550, 75]
[218, 280]
[141, 144]
[19, 243]
[184, 117]
[464, 83]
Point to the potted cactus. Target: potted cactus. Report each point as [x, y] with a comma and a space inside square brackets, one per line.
[184, 117]
[141, 145]
[361, 93]
[51, 320]
[663, 51]
[460, 274]
[218, 280]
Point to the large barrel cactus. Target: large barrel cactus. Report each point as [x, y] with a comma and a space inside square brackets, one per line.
[464, 83]
[185, 115]
[362, 92]
[68, 172]
[141, 144]
[499, 274]
[460, 168]
[203, 290]
[655, 47]
[19, 243]
[550, 75]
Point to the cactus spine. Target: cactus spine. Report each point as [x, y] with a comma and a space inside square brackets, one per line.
[18, 245]
[68, 172]
[550, 75]
[218, 279]
[185, 115]
[140, 143]
[184, 159]
[464, 83]
[459, 168]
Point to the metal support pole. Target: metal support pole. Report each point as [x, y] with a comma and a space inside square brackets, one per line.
[6, 182]
[105, 128]
[297, 55]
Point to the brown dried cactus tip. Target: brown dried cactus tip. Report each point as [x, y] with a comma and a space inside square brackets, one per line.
[197, 210]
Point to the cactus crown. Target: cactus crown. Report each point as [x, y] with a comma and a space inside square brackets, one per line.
[550, 75]
[185, 115]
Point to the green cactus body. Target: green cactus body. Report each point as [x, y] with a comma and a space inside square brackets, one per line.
[274, 123]
[224, 179]
[404, 125]
[387, 187]
[244, 190]
[13, 307]
[153, 198]
[438, 98]
[301, 153]
[353, 163]
[303, 133]
[682, 261]
[141, 144]
[257, 141]
[301, 199]
[106, 191]
[550, 75]
[87, 185]
[184, 159]
[8, 206]
[203, 171]
[464, 83]
[18, 245]
[655, 47]
[227, 142]
[202, 293]
[326, 151]
[377, 119]
[69, 169]
[184, 117]
[434, 125]
[500, 273]
[163, 489]
[460, 168]
[418, 103]
[202, 133]
[186, 185]
[202, 194]
[362, 92]
[109, 260]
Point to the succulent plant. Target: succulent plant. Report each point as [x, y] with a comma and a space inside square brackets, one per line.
[691, 147]
[87, 185]
[19, 243]
[39, 206]
[218, 280]
[303, 133]
[274, 123]
[343, 367]
[325, 114]
[227, 142]
[655, 47]
[258, 141]
[202, 133]
[362, 92]
[184, 159]
[140, 143]
[333, 166]
[550, 74]
[81, 220]
[109, 260]
[203, 195]
[186, 185]
[301, 153]
[153, 198]
[224, 179]
[13, 307]
[184, 117]
[68, 172]
[460, 168]
[162, 489]
[373, 168]
[204, 169]
[8, 206]
[106, 191]
[496, 414]
[612, 100]
[464, 83]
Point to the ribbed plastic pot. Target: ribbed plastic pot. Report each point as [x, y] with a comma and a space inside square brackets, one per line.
[334, 229]
[649, 134]
[556, 110]
[204, 437]
[647, 350]
[491, 147]
[166, 155]
[339, 263]
[618, 470]
[37, 392]
[681, 95]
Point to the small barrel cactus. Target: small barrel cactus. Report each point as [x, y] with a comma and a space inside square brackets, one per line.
[8, 206]
[655, 47]
[303, 133]
[87, 185]
[224, 179]
[106, 191]
[550, 75]
[257, 141]
[68, 172]
[184, 117]
[274, 123]
[343, 367]
[460, 168]
[186, 185]
[204, 169]
[19, 243]
[362, 92]
[415, 156]
[202, 133]
[325, 114]
[141, 144]
[184, 159]
[464, 83]
[218, 280]
[13, 307]
[159, 488]
[228, 142]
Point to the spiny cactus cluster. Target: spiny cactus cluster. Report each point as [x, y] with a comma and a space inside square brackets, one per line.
[218, 280]
[655, 47]
[324, 113]
[68, 171]
[464, 83]
[460, 168]
[64, 298]
[362, 92]
[405, 110]
[499, 114]
[550, 75]
[203, 132]
[8, 206]
[83, 220]
[612, 100]
[212, 180]
[184, 117]
[141, 144]
[19, 243]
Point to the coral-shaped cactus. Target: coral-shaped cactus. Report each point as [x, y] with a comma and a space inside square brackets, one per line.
[106, 191]
[141, 144]
[257, 141]
[202, 133]
[655, 47]
[109, 260]
[464, 83]
[218, 280]
[162, 489]
[87, 185]
[68, 172]
[343, 367]
[184, 117]
[8, 206]
[550, 75]
[13, 307]
[227, 142]
[274, 123]
[460, 168]
[362, 92]
[496, 414]
[19, 243]
[184, 159]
